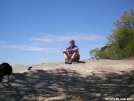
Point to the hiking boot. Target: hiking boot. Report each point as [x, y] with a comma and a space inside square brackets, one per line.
[70, 61]
[66, 61]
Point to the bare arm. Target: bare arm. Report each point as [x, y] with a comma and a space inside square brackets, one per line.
[68, 50]
[75, 49]
[64, 51]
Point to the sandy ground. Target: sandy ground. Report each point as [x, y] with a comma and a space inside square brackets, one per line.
[94, 80]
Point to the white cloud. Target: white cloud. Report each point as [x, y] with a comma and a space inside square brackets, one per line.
[28, 48]
[69, 36]
[2, 42]
[35, 43]
[40, 49]
[96, 46]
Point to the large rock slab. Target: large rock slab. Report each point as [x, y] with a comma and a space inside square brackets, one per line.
[94, 80]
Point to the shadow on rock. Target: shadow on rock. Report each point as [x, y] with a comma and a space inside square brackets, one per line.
[66, 85]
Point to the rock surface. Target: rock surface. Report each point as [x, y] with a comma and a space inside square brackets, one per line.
[94, 80]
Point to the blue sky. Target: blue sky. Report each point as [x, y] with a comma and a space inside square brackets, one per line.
[34, 31]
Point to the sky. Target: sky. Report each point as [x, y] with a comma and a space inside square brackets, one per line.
[35, 31]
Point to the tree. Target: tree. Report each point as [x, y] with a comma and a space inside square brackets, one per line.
[121, 42]
[95, 52]
[126, 20]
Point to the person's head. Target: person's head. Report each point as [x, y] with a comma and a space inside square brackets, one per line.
[72, 42]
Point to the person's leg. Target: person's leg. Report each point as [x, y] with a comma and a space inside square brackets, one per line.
[73, 57]
[66, 56]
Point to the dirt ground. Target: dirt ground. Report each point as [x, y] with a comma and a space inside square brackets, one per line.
[89, 80]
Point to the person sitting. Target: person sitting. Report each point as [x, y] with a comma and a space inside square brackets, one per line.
[71, 53]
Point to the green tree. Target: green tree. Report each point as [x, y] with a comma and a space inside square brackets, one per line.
[121, 42]
[95, 52]
[126, 20]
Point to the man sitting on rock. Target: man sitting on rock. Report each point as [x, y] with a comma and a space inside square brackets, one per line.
[71, 53]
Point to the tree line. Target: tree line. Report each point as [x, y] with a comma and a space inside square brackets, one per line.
[121, 42]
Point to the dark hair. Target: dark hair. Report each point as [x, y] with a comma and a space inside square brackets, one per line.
[72, 41]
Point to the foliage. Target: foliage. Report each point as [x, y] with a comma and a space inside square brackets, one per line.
[121, 41]
[95, 52]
